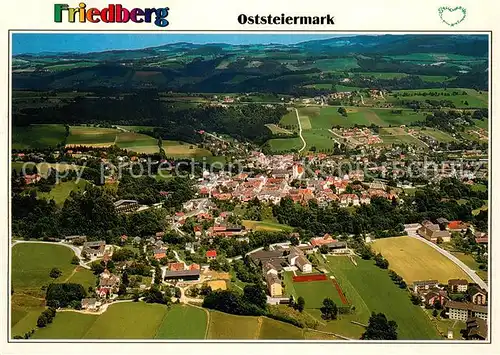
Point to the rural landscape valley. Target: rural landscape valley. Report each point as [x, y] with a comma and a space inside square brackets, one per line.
[329, 189]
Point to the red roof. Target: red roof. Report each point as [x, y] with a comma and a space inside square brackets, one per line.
[455, 225]
[326, 239]
[176, 266]
[161, 255]
[212, 254]
[194, 267]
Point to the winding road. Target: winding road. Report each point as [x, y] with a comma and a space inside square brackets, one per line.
[459, 263]
[300, 131]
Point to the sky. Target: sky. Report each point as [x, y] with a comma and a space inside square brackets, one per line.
[96, 42]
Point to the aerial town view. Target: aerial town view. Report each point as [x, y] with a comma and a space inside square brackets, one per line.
[250, 187]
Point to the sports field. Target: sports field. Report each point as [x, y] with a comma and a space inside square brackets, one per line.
[414, 260]
[37, 136]
[370, 289]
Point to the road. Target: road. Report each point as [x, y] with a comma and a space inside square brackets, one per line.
[453, 258]
[362, 101]
[75, 249]
[300, 131]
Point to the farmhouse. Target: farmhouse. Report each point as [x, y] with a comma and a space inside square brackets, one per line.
[463, 311]
[186, 275]
[433, 232]
[108, 282]
[477, 329]
[94, 249]
[90, 304]
[458, 285]
[457, 226]
[274, 285]
[478, 296]
[126, 205]
[424, 285]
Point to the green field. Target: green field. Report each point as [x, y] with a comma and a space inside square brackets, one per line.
[177, 149]
[284, 144]
[438, 135]
[93, 136]
[229, 326]
[32, 262]
[183, 322]
[84, 277]
[370, 289]
[37, 136]
[266, 226]
[313, 292]
[60, 192]
[290, 119]
[474, 98]
[275, 129]
[136, 142]
[326, 117]
[60, 67]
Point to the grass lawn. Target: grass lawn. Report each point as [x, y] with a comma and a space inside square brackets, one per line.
[37, 136]
[468, 260]
[266, 226]
[60, 192]
[415, 260]
[183, 322]
[313, 292]
[136, 142]
[370, 289]
[92, 136]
